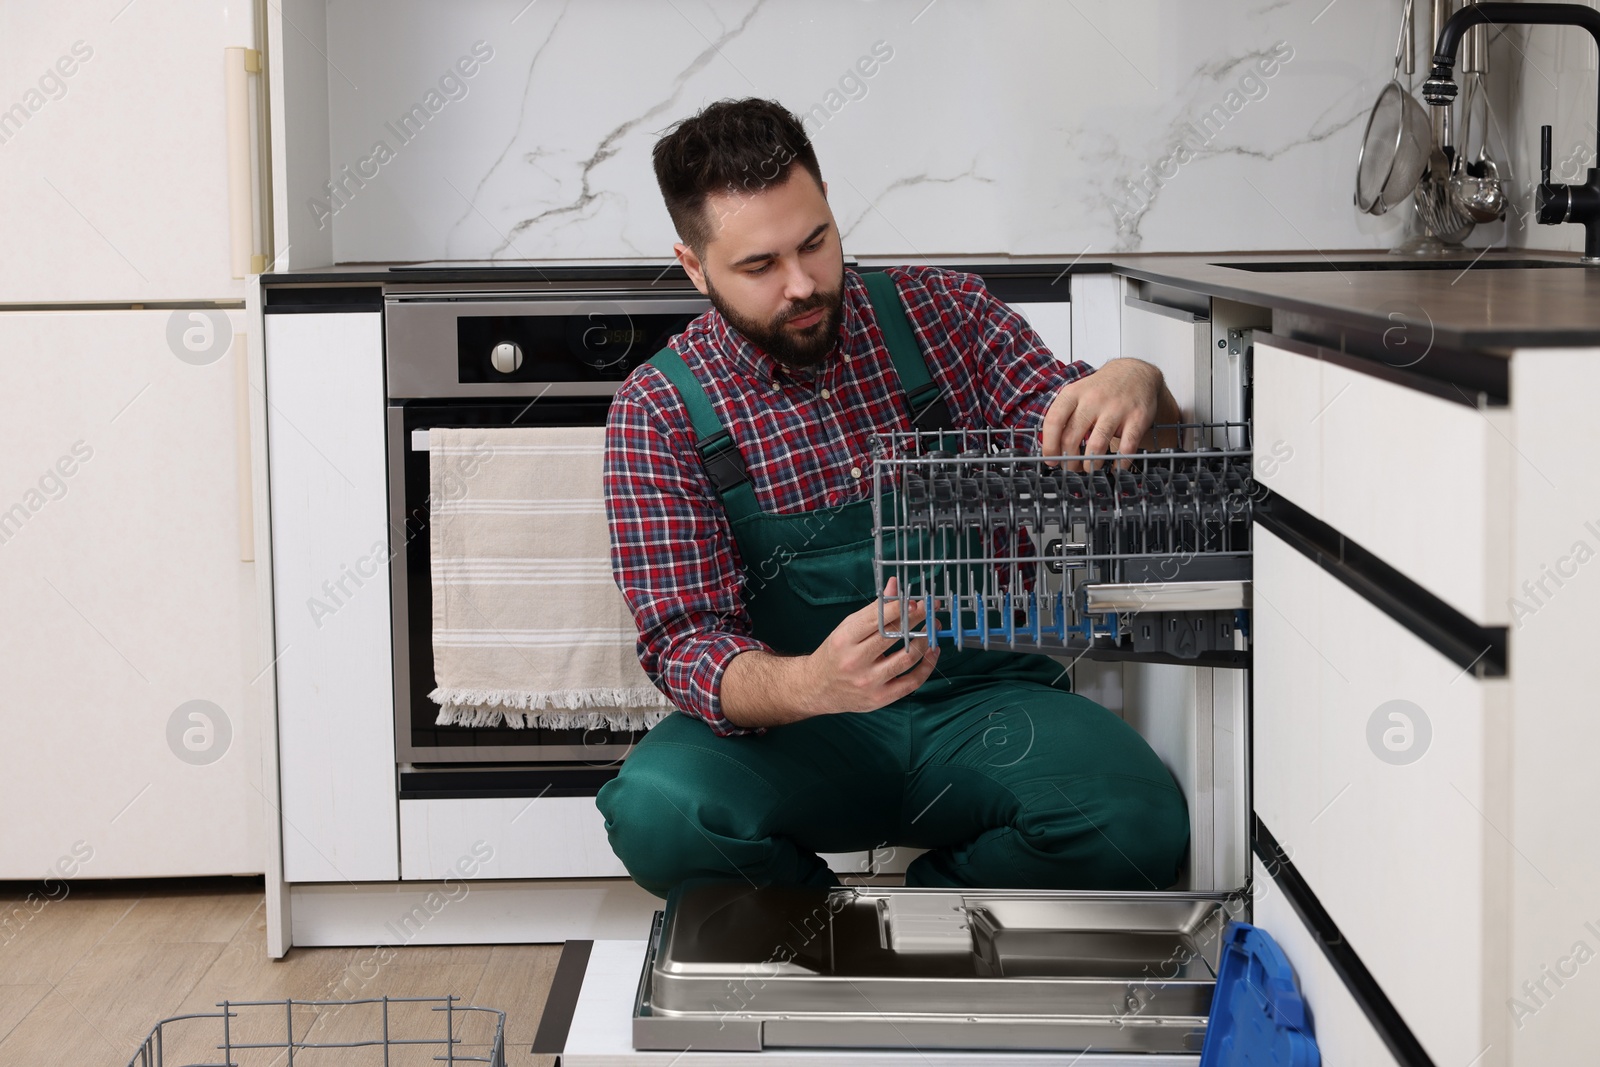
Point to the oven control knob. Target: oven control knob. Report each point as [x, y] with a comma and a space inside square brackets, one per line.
[506, 357]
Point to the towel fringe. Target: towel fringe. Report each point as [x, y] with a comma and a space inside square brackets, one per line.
[643, 696]
[610, 718]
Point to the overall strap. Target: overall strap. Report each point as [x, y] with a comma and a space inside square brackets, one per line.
[723, 462]
[928, 408]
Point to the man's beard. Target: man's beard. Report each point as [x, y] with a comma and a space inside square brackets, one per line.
[798, 349]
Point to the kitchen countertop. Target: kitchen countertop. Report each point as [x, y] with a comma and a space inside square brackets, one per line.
[1466, 303]
[534, 271]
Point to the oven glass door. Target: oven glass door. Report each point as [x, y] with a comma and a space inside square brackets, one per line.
[419, 740]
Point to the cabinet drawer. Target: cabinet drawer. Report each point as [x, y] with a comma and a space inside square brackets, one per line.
[1421, 481]
[1345, 1037]
[1380, 767]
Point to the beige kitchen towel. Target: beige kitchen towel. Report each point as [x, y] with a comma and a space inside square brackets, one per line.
[529, 628]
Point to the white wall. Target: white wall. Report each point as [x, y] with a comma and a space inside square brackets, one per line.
[994, 128]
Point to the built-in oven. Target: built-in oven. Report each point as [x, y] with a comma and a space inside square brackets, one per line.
[535, 356]
[482, 350]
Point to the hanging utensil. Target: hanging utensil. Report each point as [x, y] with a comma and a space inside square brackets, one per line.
[1394, 148]
[1475, 188]
[1437, 211]
[1443, 226]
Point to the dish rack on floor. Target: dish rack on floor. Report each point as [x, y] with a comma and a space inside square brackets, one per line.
[1143, 556]
[235, 1028]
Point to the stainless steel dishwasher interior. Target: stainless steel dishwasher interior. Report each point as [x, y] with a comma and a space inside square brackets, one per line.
[734, 967]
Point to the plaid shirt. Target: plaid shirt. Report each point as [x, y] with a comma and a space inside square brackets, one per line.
[672, 551]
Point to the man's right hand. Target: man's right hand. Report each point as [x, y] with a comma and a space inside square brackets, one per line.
[853, 669]
[856, 669]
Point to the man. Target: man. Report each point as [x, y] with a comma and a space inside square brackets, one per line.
[737, 489]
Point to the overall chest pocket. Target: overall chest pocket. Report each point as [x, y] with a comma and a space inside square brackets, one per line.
[828, 577]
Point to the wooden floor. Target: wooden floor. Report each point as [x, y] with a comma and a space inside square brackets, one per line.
[83, 978]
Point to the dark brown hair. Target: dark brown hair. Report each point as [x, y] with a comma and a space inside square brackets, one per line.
[737, 147]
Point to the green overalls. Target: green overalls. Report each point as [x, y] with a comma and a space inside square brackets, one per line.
[993, 764]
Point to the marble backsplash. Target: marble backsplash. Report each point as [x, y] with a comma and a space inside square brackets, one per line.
[1553, 71]
[518, 130]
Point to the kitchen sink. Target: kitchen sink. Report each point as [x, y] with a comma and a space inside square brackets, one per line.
[1402, 263]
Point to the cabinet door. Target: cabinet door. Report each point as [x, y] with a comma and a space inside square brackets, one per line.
[128, 632]
[115, 142]
[1345, 1037]
[325, 431]
[1377, 770]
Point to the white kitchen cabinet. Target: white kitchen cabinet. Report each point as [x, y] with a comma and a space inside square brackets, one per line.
[1096, 317]
[459, 912]
[1052, 321]
[511, 837]
[1286, 707]
[546, 837]
[115, 177]
[325, 431]
[1286, 427]
[1415, 848]
[1552, 996]
[125, 597]
[1177, 340]
[1198, 342]
[1381, 771]
[1421, 481]
[1345, 1036]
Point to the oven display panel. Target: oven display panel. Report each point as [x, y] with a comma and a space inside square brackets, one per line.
[597, 346]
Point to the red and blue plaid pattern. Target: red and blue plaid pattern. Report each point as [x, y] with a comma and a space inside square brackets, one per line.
[806, 439]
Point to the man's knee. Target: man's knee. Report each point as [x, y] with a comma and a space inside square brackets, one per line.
[649, 818]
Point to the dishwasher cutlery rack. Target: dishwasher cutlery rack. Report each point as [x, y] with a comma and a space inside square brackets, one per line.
[1145, 556]
[390, 1042]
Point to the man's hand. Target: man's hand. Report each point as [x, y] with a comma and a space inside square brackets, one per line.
[853, 669]
[1111, 410]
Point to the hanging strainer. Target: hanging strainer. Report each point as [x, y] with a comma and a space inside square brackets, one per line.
[1395, 147]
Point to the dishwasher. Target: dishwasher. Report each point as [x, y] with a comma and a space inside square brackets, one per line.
[1132, 567]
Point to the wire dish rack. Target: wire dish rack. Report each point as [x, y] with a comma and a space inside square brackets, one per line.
[1145, 554]
[263, 1031]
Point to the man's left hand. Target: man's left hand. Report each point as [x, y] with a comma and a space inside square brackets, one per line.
[1111, 410]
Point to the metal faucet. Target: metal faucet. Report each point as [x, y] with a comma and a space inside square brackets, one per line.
[1553, 203]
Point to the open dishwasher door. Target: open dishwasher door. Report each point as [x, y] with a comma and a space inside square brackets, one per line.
[738, 968]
